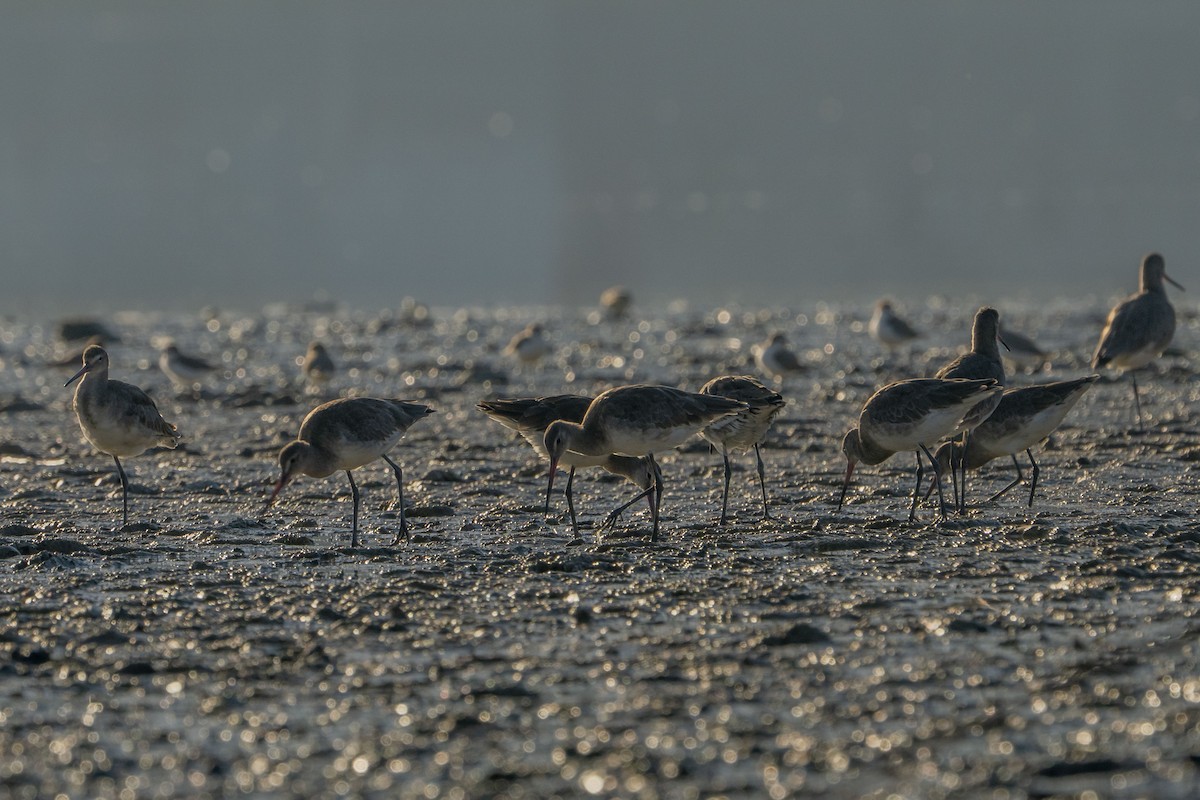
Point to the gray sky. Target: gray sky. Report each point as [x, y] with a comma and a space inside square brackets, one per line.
[234, 153]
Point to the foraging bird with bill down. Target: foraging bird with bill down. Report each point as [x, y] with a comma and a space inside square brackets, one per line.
[344, 435]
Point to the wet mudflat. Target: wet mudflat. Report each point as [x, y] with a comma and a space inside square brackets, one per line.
[212, 649]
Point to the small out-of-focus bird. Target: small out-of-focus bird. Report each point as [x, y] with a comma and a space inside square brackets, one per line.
[615, 302]
[889, 328]
[1140, 327]
[530, 345]
[1022, 351]
[317, 366]
[181, 368]
[775, 357]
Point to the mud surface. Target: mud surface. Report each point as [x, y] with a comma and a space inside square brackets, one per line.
[211, 650]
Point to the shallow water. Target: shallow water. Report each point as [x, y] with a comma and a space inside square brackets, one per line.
[211, 649]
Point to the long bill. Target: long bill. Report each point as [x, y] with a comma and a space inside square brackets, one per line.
[846, 483]
[86, 367]
[1166, 277]
[283, 481]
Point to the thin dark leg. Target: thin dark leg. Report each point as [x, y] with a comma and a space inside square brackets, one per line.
[1033, 487]
[725, 496]
[616, 513]
[400, 487]
[962, 468]
[354, 525]
[124, 492]
[571, 502]
[1014, 482]
[912, 513]
[1137, 403]
[762, 482]
[953, 474]
[937, 476]
[658, 493]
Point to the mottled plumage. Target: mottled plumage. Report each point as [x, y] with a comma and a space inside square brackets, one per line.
[1140, 327]
[1023, 417]
[344, 435]
[911, 415]
[530, 416]
[744, 430]
[117, 418]
[637, 420]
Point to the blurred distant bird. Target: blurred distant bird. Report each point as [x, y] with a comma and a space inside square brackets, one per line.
[346, 434]
[318, 366]
[117, 418]
[72, 358]
[911, 415]
[983, 361]
[1022, 351]
[1140, 327]
[775, 358]
[615, 302]
[181, 368]
[745, 429]
[888, 328]
[530, 345]
[530, 416]
[1024, 417]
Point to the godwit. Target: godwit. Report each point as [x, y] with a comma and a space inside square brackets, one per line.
[637, 420]
[1023, 418]
[745, 429]
[317, 366]
[911, 415]
[344, 435]
[1022, 351]
[183, 369]
[615, 301]
[117, 418]
[530, 345]
[888, 328]
[983, 361]
[1140, 327]
[775, 358]
[530, 416]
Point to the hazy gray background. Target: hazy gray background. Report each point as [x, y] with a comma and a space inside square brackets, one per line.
[183, 153]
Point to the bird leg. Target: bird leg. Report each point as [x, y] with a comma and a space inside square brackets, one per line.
[658, 493]
[762, 482]
[1033, 486]
[937, 476]
[354, 525]
[124, 493]
[571, 502]
[1137, 403]
[725, 495]
[912, 513]
[1014, 482]
[400, 486]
